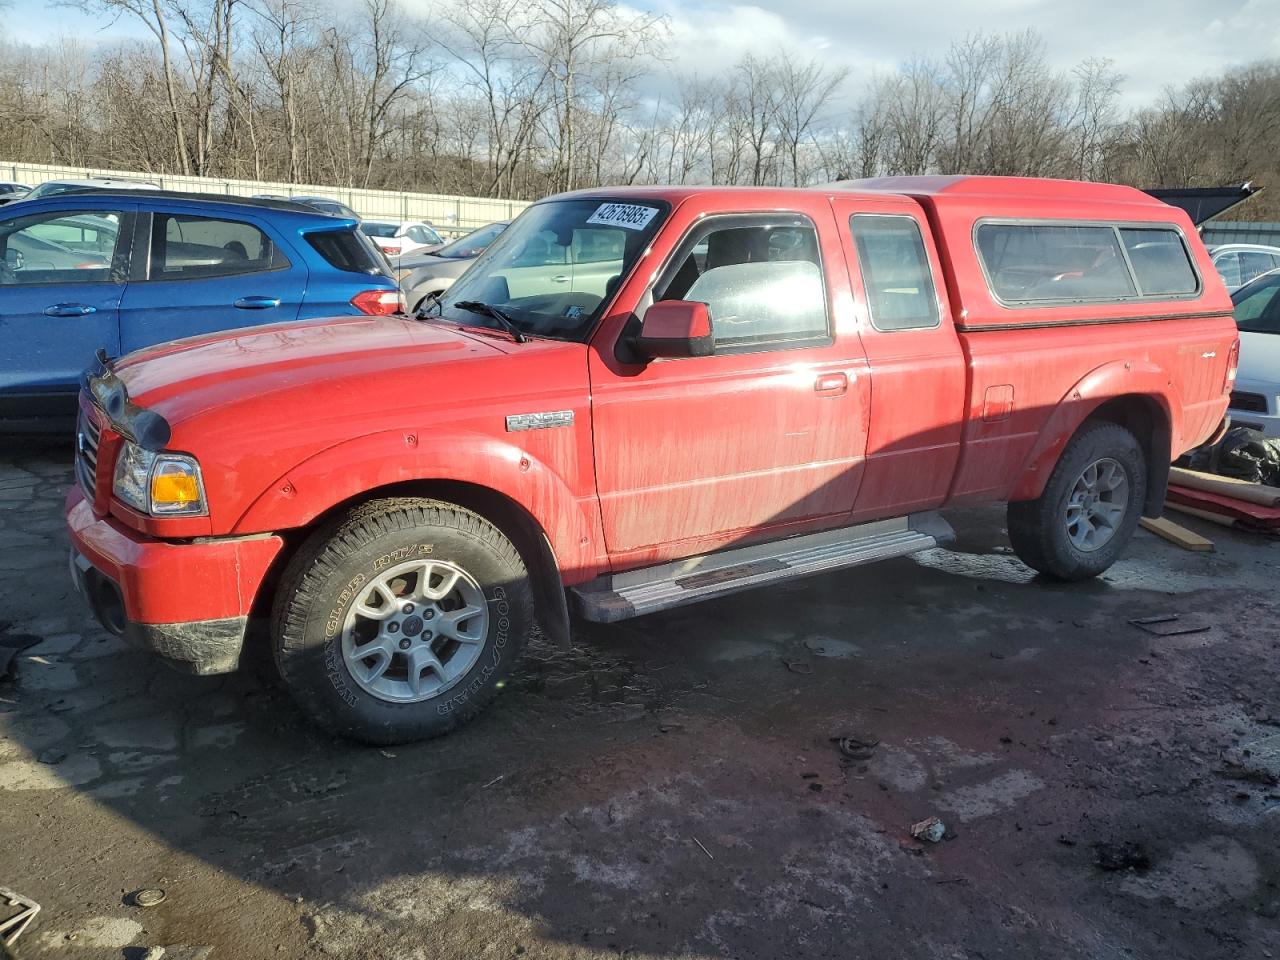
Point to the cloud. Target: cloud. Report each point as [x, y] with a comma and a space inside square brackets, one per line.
[1154, 43]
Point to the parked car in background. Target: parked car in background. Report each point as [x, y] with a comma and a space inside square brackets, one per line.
[325, 205]
[399, 238]
[432, 274]
[11, 191]
[129, 269]
[1255, 401]
[1238, 263]
[51, 188]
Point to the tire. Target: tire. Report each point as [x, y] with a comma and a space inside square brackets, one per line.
[1042, 531]
[426, 587]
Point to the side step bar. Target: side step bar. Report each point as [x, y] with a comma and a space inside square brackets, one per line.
[637, 592]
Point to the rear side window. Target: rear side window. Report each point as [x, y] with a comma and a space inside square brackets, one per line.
[895, 272]
[1026, 263]
[186, 248]
[347, 250]
[1039, 263]
[1160, 262]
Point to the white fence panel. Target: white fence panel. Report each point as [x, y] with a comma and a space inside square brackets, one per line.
[450, 214]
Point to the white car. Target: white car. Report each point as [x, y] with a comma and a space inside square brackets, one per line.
[11, 190]
[1238, 263]
[51, 188]
[1255, 401]
[396, 238]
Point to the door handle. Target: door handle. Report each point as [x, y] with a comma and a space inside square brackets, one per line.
[257, 303]
[69, 310]
[831, 384]
[560, 278]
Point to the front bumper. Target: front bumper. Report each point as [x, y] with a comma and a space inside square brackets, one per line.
[187, 602]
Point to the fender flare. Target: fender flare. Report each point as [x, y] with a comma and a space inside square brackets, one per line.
[1111, 381]
[355, 467]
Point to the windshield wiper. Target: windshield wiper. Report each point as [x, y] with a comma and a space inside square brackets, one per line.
[427, 302]
[488, 310]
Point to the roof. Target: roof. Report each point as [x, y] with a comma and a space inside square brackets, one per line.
[999, 188]
[952, 187]
[132, 195]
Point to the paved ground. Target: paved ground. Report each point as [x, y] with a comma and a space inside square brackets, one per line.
[671, 788]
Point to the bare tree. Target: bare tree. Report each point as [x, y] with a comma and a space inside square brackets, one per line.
[805, 89]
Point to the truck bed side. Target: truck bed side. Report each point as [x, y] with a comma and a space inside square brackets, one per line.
[1035, 373]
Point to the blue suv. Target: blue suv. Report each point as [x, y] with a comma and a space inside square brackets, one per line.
[128, 269]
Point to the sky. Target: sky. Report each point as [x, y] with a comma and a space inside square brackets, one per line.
[1154, 43]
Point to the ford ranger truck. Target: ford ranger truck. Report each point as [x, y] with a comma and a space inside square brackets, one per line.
[640, 398]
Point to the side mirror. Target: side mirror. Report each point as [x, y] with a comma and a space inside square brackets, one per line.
[675, 328]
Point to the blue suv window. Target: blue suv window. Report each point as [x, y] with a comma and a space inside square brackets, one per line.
[59, 247]
[185, 247]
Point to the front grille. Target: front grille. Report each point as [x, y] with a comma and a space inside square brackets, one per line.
[88, 433]
[1252, 402]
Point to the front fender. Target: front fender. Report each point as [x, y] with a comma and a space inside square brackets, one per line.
[1120, 378]
[356, 467]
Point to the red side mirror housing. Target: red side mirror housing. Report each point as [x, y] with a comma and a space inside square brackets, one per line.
[675, 328]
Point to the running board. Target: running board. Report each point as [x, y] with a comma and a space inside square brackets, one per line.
[637, 592]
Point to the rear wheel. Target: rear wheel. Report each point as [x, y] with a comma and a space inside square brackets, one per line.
[400, 621]
[1090, 507]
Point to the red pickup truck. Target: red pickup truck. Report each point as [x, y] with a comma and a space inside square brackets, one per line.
[639, 398]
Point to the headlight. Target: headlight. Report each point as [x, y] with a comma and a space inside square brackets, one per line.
[132, 480]
[161, 484]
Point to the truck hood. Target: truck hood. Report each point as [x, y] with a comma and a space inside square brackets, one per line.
[346, 355]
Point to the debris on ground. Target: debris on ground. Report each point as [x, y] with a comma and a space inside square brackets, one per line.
[11, 926]
[1177, 534]
[12, 644]
[1242, 454]
[1257, 761]
[856, 747]
[931, 829]
[1233, 502]
[1171, 624]
[147, 897]
[1121, 855]
[798, 666]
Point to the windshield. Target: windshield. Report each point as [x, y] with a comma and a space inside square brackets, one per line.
[553, 270]
[385, 230]
[1257, 305]
[473, 243]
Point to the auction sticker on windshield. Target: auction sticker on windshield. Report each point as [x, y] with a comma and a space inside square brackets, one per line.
[632, 216]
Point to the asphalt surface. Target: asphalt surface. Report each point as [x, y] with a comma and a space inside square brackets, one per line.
[671, 788]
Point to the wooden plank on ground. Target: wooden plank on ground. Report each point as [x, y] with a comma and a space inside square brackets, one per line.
[1218, 518]
[1186, 539]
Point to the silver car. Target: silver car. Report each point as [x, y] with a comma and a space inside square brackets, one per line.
[1238, 263]
[427, 276]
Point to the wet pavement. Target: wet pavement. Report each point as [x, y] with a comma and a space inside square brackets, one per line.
[671, 787]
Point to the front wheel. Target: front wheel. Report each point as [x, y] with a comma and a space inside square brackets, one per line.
[1089, 509]
[400, 621]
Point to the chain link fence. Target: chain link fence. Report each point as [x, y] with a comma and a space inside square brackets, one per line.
[449, 214]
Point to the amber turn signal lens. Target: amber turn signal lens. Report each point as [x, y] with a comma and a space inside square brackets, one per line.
[174, 488]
